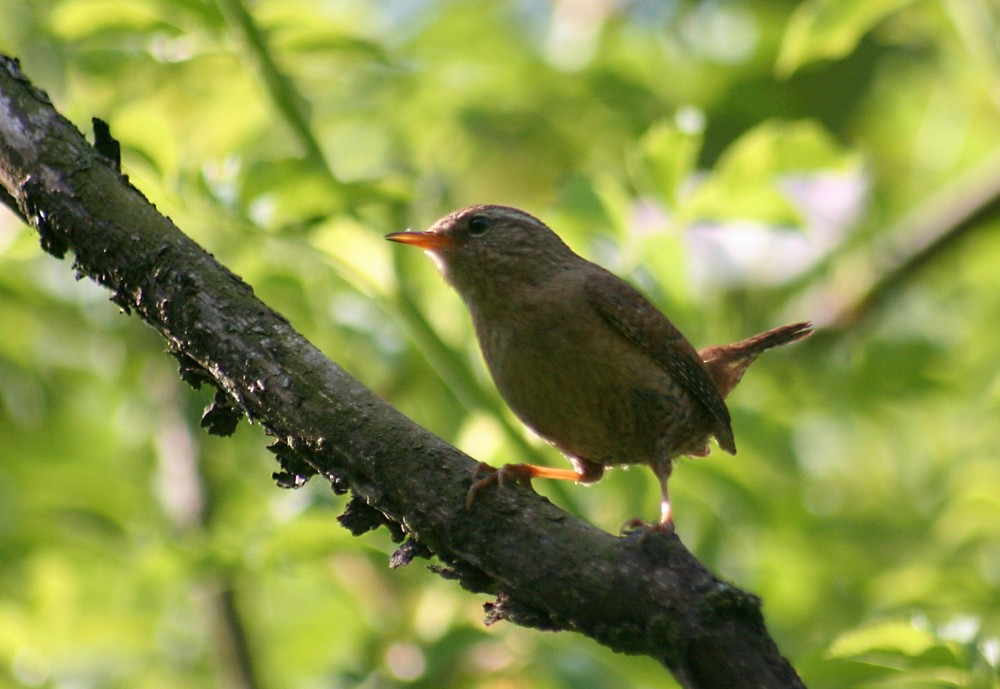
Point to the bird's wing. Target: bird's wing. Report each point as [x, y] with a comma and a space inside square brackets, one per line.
[629, 312]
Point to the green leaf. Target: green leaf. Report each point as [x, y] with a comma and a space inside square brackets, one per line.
[666, 156]
[78, 19]
[745, 182]
[900, 636]
[829, 29]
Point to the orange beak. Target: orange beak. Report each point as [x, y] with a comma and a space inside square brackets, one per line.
[422, 240]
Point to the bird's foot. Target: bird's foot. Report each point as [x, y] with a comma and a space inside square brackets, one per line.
[644, 530]
[518, 473]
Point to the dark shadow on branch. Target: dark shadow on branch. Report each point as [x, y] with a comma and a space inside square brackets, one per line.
[546, 569]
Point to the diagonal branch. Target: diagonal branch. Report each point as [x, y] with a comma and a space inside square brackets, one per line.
[919, 238]
[547, 569]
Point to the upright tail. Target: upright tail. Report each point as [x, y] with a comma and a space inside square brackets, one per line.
[726, 363]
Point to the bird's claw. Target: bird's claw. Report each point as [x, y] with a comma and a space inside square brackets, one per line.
[645, 530]
[479, 483]
[519, 473]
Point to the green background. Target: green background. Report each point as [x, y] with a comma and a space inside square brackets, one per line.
[744, 163]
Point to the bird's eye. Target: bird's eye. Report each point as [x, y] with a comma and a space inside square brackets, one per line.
[478, 224]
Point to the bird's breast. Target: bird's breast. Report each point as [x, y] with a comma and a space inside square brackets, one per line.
[578, 383]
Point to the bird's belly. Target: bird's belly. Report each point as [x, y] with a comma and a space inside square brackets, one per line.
[608, 409]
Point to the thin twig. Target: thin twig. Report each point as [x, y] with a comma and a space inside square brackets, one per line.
[279, 85]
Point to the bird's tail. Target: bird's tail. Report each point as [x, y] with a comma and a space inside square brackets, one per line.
[726, 363]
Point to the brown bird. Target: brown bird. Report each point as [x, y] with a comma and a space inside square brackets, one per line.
[583, 358]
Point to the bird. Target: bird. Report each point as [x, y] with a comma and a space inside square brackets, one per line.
[580, 356]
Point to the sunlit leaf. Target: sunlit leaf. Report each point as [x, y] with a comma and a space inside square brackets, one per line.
[828, 29]
[745, 184]
[899, 636]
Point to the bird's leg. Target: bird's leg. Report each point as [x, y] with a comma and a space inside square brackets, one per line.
[586, 472]
[662, 466]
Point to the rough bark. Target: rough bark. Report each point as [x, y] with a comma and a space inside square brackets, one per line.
[545, 568]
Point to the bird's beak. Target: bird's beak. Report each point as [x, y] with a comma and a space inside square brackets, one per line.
[422, 240]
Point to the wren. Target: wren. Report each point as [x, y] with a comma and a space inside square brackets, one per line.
[583, 358]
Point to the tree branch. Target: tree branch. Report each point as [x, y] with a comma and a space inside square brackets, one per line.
[547, 569]
[928, 232]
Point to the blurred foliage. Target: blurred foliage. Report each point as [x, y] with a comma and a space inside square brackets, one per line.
[742, 162]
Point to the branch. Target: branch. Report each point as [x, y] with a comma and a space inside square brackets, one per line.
[547, 569]
[923, 235]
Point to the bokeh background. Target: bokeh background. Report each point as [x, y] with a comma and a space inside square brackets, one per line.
[745, 163]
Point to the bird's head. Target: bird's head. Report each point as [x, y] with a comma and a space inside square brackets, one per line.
[484, 248]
